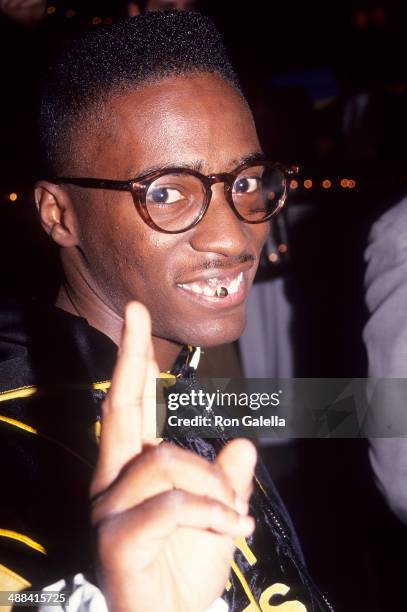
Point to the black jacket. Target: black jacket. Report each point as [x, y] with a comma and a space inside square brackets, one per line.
[54, 372]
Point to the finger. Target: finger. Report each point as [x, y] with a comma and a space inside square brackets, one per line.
[158, 517]
[122, 409]
[238, 461]
[149, 412]
[160, 469]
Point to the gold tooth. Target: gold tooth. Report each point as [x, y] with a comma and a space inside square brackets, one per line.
[221, 292]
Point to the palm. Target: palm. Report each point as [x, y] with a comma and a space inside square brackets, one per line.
[188, 571]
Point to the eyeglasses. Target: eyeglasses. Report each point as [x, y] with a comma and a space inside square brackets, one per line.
[173, 200]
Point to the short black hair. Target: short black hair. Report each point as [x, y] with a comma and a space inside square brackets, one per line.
[119, 57]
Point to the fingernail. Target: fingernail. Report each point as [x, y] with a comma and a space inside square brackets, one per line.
[242, 506]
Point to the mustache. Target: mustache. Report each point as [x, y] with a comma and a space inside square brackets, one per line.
[222, 264]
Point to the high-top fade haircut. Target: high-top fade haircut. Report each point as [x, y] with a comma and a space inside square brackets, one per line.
[117, 58]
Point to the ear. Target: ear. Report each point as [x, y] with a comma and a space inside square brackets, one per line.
[56, 212]
[133, 9]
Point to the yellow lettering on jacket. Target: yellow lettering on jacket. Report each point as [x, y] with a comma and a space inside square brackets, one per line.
[243, 546]
[286, 606]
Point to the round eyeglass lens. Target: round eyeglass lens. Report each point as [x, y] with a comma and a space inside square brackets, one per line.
[175, 201]
[258, 192]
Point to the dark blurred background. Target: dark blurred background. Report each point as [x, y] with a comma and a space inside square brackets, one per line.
[328, 87]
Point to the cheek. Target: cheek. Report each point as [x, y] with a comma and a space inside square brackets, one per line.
[128, 259]
[133, 262]
[107, 242]
[260, 234]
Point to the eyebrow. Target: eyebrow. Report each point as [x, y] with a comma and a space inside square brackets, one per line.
[198, 165]
[252, 158]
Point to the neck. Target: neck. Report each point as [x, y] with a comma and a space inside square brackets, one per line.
[81, 296]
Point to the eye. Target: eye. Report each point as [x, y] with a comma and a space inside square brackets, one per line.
[164, 195]
[246, 184]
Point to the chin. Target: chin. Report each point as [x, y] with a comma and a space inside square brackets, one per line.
[216, 335]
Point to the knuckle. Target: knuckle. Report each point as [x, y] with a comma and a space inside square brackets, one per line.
[220, 478]
[216, 484]
[216, 512]
[125, 405]
[174, 500]
[163, 454]
[128, 404]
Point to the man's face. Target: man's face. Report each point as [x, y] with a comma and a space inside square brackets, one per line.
[195, 121]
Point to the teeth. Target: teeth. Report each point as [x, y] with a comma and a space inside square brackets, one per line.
[209, 287]
[196, 288]
[208, 291]
[235, 284]
[233, 287]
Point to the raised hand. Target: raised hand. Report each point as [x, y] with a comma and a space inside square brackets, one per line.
[165, 518]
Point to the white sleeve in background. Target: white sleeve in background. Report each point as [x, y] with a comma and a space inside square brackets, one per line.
[86, 597]
[385, 337]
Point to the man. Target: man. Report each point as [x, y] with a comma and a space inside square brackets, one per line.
[158, 191]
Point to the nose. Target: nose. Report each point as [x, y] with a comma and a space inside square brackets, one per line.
[220, 231]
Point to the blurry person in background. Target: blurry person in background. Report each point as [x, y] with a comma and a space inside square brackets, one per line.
[385, 337]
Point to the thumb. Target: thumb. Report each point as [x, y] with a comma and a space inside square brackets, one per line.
[238, 461]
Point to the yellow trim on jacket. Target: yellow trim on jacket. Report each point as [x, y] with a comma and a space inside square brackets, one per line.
[24, 539]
